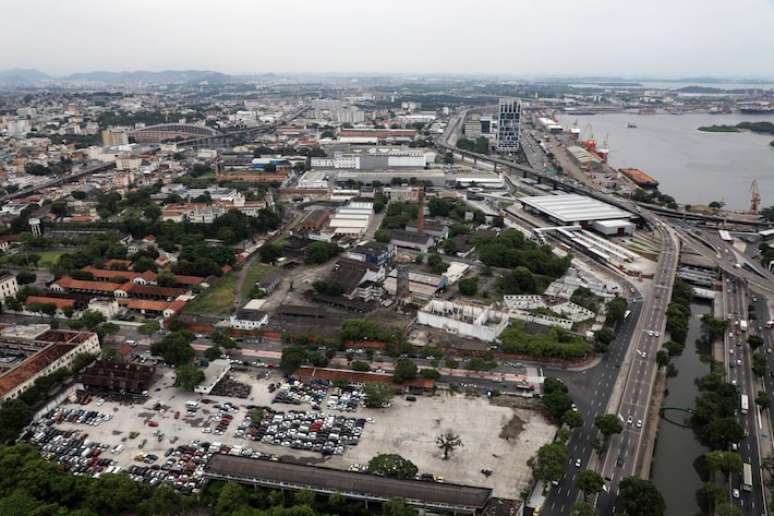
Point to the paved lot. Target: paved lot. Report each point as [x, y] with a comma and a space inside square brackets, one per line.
[408, 428]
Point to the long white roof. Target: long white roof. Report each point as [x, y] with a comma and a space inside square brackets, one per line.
[574, 208]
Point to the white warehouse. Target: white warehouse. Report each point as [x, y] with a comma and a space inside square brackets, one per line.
[482, 323]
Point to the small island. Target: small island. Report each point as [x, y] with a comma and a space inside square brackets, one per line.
[720, 129]
[756, 127]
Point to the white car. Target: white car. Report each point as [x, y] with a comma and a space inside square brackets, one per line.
[639, 423]
[738, 362]
[577, 463]
[629, 420]
[736, 493]
[731, 351]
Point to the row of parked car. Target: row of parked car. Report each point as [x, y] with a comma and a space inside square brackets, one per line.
[78, 416]
[70, 448]
[312, 431]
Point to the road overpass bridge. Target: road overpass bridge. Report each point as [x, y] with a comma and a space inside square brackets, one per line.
[59, 180]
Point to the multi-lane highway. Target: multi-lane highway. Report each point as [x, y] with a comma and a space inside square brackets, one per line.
[591, 390]
[623, 451]
[739, 372]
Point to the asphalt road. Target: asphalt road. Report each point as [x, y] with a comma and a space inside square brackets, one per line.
[739, 372]
[624, 448]
[591, 390]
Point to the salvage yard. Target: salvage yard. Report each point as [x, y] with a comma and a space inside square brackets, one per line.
[496, 438]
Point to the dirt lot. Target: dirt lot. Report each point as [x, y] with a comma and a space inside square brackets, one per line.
[494, 437]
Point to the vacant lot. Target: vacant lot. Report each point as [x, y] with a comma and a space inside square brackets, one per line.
[218, 299]
[254, 273]
[497, 438]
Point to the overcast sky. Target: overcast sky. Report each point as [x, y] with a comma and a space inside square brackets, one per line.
[669, 38]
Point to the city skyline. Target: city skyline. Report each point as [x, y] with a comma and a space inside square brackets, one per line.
[346, 37]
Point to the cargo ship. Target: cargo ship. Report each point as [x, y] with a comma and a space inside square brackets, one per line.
[756, 108]
[639, 177]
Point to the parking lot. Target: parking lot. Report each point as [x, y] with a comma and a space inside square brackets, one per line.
[313, 424]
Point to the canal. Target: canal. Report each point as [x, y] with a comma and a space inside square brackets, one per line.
[677, 448]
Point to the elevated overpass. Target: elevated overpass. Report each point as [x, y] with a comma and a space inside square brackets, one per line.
[236, 137]
[59, 180]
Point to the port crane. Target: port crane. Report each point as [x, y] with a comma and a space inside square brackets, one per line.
[755, 200]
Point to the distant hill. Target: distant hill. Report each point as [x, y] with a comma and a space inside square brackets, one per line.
[142, 76]
[19, 77]
[22, 77]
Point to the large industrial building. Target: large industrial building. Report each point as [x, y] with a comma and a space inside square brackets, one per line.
[575, 209]
[33, 351]
[508, 125]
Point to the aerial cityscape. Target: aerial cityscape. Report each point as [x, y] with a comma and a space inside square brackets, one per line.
[355, 259]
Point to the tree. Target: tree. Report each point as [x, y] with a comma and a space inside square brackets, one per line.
[14, 415]
[572, 419]
[759, 364]
[709, 496]
[674, 348]
[608, 425]
[451, 363]
[582, 508]
[405, 370]
[728, 509]
[557, 402]
[430, 374]
[602, 339]
[270, 253]
[763, 400]
[382, 236]
[166, 279]
[213, 353]
[616, 310]
[436, 263]
[320, 252]
[637, 497]
[448, 442]
[25, 277]
[589, 481]
[468, 286]
[256, 415]
[662, 357]
[188, 376]
[397, 507]
[174, 348]
[151, 212]
[359, 365]
[149, 328]
[232, 497]
[377, 395]
[724, 461]
[393, 466]
[292, 358]
[548, 464]
[755, 341]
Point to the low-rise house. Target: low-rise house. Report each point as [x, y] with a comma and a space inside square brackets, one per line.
[249, 319]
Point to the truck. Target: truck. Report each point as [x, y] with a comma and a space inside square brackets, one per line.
[745, 403]
[743, 324]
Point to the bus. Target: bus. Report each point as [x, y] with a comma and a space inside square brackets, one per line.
[745, 404]
[747, 477]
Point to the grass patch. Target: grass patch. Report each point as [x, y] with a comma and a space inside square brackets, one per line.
[253, 274]
[218, 299]
[50, 258]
